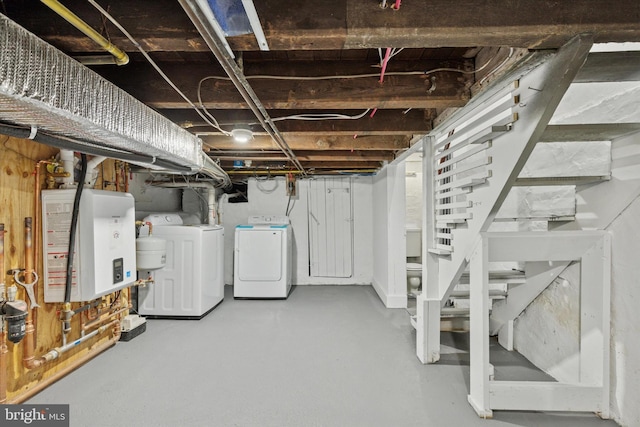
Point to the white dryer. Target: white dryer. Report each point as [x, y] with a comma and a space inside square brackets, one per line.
[192, 282]
[262, 259]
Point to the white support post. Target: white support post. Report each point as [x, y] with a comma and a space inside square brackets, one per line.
[429, 303]
[595, 294]
[479, 331]
[428, 328]
[505, 336]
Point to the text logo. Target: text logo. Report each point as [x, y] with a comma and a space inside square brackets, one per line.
[34, 415]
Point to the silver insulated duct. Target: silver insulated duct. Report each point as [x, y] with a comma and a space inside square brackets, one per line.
[44, 90]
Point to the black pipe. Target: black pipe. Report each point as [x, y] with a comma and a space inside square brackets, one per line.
[73, 228]
[89, 147]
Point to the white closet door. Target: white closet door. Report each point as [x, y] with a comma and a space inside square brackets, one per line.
[330, 227]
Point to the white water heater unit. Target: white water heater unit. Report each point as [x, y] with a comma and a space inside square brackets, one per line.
[105, 248]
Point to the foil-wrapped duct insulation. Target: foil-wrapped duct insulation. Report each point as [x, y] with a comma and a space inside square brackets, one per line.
[42, 87]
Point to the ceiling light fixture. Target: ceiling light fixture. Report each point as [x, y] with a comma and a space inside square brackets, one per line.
[242, 135]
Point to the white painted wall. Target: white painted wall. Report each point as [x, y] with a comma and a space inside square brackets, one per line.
[380, 235]
[269, 198]
[389, 245]
[413, 166]
[150, 199]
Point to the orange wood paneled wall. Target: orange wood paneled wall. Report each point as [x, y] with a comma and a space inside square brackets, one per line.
[18, 160]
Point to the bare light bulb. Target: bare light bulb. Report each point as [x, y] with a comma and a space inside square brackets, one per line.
[242, 135]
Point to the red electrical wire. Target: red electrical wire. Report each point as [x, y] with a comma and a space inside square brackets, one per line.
[397, 5]
[384, 64]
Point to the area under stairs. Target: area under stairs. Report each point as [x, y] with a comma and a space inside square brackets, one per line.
[455, 313]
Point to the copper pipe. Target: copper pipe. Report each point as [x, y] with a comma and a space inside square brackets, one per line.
[28, 360]
[3, 367]
[28, 250]
[37, 215]
[3, 335]
[103, 318]
[2, 271]
[36, 211]
[41, 385]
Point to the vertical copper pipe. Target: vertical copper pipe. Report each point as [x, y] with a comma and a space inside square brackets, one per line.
[29, 337]
[3, 334]
[37, 232]
[2, 257]
[28, 250]
[3, 367]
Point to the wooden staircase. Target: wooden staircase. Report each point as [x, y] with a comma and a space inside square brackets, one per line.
[471, 163]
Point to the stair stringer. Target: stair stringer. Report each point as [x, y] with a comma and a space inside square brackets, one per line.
[535, 94]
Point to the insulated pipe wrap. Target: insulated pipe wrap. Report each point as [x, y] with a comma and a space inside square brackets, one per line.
[41, 86]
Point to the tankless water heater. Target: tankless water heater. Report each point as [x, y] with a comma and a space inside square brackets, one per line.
[105, 248]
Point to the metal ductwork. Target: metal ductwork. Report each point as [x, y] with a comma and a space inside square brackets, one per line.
[44, 90]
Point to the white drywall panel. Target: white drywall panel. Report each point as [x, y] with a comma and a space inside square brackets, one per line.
[413, 190]
[380, 235]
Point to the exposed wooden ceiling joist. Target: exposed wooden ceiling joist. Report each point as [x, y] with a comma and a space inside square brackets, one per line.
[348, 24]
[308, 165]
[300, 142]
[442, 90]
[314, 156]
[383, 122]
[341, 38]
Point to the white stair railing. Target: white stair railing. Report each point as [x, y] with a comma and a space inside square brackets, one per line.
[471, 162]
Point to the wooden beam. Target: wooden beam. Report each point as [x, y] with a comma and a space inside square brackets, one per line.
[440, 90]
[429, 23]
[158, 25]
[162, 25]
[309, 165]
[384, 122]
[326, 142]
[312, 156]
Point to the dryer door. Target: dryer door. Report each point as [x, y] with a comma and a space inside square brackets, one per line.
[260, 254]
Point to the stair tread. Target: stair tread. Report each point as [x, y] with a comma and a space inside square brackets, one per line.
[561, 180]
[493, 293]
[500, 275]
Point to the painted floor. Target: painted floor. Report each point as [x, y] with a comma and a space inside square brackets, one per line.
[327, 356]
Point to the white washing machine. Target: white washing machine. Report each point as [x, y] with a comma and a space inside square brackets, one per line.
[262, 258]
[192, 282]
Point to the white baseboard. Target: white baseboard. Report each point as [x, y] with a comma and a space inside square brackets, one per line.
[389, 300]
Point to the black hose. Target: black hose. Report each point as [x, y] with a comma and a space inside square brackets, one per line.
[74, 227]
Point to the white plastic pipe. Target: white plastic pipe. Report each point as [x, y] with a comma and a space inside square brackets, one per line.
[211, 208]
[92, 172]
[67, 159]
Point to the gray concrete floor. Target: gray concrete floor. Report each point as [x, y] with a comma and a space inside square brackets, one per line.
[327, 356]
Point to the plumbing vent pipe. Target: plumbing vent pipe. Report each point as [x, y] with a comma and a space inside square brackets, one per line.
[42, 89]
